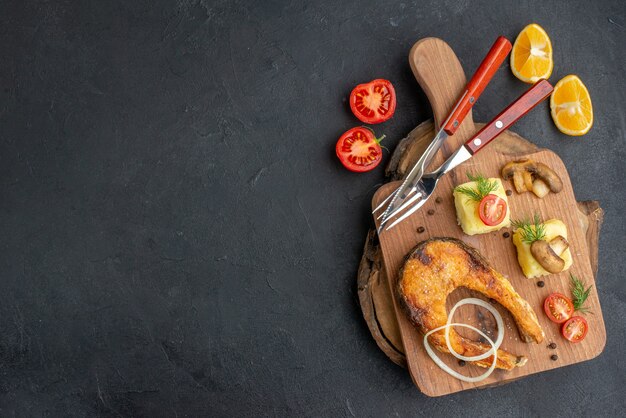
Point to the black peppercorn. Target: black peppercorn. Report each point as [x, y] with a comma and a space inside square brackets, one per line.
[540, 283]
[431, 211]
[421, 229]
[462, 363]
[506, 235]
[438, 199]
[509, 193]
[554, 357]
[552, 346]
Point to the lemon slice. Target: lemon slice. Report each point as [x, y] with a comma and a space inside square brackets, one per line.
[531, 57]
[570, 106]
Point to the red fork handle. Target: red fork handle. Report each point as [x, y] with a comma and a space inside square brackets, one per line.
[533, 96]
[477, 84]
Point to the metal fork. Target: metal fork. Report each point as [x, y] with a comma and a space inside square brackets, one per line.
[423, 189]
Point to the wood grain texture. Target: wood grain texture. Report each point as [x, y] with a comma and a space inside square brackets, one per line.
[373, 289]
[439, 73]
[376, 303]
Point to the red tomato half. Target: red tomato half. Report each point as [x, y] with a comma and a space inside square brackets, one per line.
[358, 150]
[575, 329]
[559, 308]
[492, 210]
[373, 102]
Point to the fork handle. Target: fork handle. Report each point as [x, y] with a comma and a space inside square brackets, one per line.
[483, 75]
[533, 96]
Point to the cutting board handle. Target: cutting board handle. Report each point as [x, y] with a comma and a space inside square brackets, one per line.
[439, 73]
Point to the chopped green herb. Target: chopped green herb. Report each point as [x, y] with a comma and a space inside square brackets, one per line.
[530, 232]
[579, 293]
[483, 187]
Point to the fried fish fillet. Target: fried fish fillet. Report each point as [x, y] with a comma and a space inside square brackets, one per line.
[436, 267]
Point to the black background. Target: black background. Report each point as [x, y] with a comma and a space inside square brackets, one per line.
[178, 238]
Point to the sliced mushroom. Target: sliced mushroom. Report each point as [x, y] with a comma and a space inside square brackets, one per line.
[519, 183]
[521, 172]
[545, 255]
[548, 175]
[516, 166]
[540, 188]
[559, 245]
[526, 175]
[528, 180]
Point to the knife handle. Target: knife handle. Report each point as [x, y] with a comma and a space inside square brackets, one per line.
[477, 84]
[533, 96]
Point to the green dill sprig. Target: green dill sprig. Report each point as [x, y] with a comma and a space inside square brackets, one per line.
[483, 187]
[579, 294]
[530, 231]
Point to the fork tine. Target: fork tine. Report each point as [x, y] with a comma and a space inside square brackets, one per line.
[381, 215]
[390, 214]
[407, 213]
[406, 204]
[385, 220]
[387, 199]
[410, 186]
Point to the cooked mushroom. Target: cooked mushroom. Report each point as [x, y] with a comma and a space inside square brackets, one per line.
[520, 171]
[559, 245]
[545, 173]
[519, 183]
[529, 175]
[540, 188]
[528, 180]
[545, 255]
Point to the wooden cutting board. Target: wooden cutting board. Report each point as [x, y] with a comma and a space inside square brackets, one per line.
[440, 75]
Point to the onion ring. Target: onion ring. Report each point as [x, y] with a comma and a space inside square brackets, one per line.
[492, 351]
[499, 322]
[446, 368]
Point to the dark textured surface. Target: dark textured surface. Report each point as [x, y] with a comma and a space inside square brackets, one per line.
[178, 237]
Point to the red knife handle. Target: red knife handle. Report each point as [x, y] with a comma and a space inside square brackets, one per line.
[477, 84]
[533, 96]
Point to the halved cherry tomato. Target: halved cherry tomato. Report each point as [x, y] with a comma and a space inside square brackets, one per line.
[575, 329]
[373, 102]
[558, 307]
[492, 210]
[359, 150]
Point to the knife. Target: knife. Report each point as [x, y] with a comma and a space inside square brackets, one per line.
[483, 75]
[514, 112]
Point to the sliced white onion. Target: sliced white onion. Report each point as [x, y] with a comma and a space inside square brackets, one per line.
[494, 346]
[499, 322]
[447, 368]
